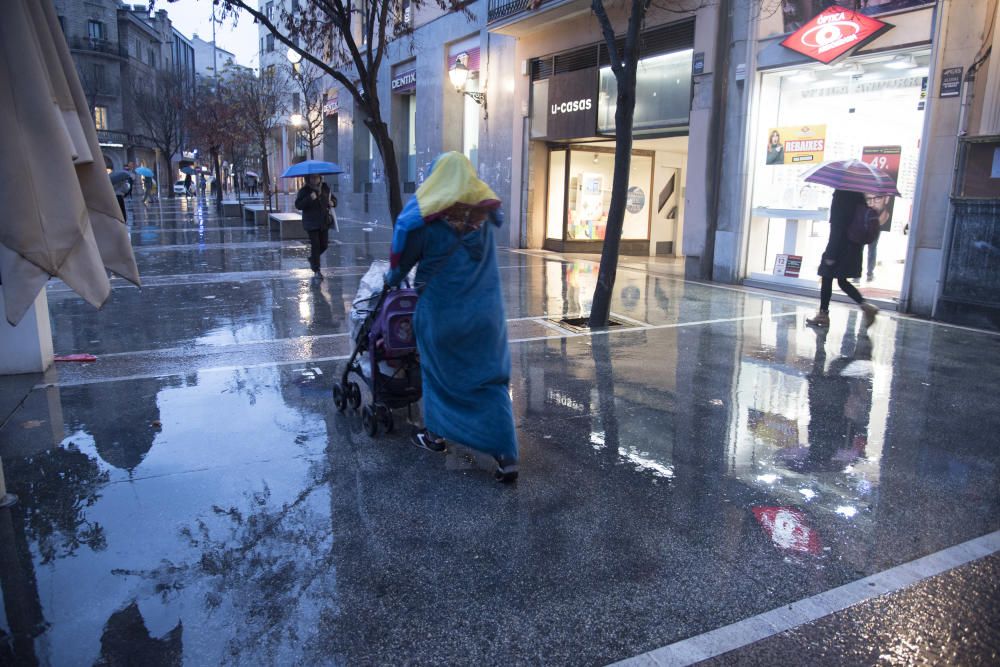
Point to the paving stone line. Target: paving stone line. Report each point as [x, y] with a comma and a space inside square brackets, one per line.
[787, 617]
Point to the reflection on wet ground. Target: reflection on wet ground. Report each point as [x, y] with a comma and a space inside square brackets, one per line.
[193, 497]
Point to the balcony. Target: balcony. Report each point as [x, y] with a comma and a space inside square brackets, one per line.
[501, 9]
[113, 137]
[94, 45]
[519, 17]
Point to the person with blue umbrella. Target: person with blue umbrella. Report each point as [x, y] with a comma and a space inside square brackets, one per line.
[316, 202]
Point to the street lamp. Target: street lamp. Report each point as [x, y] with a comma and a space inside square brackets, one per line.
[294, 56]
[459, 75]
[296, 119]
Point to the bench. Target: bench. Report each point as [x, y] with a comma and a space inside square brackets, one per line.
[231, 208]
[289, 225]
[255, 213]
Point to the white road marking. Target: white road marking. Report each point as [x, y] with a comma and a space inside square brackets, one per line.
[562, 333]
[787, 617]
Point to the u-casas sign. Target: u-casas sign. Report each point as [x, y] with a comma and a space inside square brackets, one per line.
[572, 107]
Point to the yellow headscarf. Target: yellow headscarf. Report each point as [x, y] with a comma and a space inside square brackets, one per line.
[453, 181]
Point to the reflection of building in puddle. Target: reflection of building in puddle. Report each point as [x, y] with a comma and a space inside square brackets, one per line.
[808, 425]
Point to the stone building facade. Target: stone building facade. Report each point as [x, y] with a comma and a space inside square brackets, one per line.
[117, 48]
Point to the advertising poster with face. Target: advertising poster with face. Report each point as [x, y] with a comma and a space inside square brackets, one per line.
[887, 159]
[804, 144]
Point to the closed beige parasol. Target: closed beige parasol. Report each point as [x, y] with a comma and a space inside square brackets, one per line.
[59, 213]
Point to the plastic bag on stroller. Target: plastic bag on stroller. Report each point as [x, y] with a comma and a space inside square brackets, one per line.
[364, 301]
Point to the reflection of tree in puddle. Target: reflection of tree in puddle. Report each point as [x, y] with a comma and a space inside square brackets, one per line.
[266, 565]
[67, 482]
[126, 641]
[244, 382]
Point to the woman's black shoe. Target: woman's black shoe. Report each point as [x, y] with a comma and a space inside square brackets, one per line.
[506, 471]
[425, 440]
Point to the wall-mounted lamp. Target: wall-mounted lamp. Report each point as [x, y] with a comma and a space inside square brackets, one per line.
[459, 75]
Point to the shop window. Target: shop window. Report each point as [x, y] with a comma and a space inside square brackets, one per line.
[539, 108]
[557, 195]
[411, 139]
[870, 110]
[588, 198]
[662, 94]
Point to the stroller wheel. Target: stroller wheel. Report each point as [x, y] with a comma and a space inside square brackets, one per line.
[385, 418]
[354, 394]
[339, 397]
[368, 421]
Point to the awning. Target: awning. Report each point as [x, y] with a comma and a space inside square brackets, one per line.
[61, 215]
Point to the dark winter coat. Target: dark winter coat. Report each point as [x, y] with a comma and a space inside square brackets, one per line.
[314, 211]
[846, 255]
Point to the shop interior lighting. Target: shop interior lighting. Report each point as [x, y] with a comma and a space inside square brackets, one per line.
[805, 76]
[850, 70]
[902, 62]
[595, 158]
[920, 71]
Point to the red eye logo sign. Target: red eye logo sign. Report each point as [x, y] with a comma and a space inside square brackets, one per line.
[834, 33]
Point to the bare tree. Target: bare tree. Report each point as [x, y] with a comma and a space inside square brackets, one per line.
[213, 121]
[160, 109]
[624, 61]
[308, 82]
[262, 100]
[348, 41]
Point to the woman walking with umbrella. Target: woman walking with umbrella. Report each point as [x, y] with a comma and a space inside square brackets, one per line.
[854, 182]
[316, 203]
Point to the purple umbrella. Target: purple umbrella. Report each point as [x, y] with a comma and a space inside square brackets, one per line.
[853, 175]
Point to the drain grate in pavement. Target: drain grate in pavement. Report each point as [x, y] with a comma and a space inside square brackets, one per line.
[582, 324]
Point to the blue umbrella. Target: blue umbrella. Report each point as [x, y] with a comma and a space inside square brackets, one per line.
[119, 176]
[190, 171]
[145, 171]
[312, 167]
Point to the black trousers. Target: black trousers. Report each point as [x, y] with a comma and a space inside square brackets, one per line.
[121, 203]
[826, 291]
[319, 239]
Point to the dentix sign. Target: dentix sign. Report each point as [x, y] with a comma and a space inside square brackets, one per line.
[572, 107]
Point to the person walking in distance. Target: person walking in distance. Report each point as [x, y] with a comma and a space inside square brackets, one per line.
[314, 202]
[842, 259]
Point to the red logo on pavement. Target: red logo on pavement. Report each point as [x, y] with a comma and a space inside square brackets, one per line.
[833, 33]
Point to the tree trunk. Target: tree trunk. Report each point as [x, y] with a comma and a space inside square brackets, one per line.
[380, 132]
[218, 178]
[169, 173]
[625, 112]
[265, 173]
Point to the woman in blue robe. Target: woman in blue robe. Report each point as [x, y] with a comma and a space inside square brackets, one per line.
[447, 230]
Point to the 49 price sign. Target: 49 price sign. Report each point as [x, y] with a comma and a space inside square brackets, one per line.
[833, 33]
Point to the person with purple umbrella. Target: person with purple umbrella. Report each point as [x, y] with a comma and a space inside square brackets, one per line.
[842, 259]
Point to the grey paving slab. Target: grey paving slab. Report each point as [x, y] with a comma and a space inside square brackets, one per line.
[949, 619]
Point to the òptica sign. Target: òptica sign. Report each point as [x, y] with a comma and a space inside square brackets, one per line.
[572, 105]
[834, 33]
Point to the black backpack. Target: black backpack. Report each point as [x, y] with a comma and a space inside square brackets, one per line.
[863, 227]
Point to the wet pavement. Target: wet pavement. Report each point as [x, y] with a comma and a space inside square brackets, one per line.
[194, 498]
